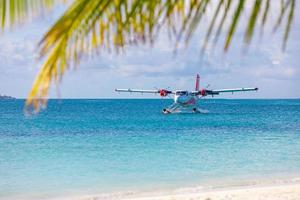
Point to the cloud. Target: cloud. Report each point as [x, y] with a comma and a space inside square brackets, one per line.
[16, 55]
[278, 72]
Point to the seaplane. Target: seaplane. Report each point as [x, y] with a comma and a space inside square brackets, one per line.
[186, 101]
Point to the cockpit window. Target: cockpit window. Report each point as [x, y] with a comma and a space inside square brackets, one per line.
[181, 93]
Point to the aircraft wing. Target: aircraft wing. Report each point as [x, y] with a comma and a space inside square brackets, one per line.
[137, 90]
[217, 91]
[161, 92]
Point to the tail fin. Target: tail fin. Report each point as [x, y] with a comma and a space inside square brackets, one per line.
[197, 83]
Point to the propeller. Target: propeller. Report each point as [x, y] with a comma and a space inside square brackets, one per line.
[163, 92]
[203, 91]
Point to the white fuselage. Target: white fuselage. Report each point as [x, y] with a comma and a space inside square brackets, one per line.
[184, 98]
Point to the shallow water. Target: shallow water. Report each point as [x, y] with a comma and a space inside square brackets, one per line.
[103, 146]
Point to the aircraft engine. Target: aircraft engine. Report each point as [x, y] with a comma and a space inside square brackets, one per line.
[163, 93]
[203, 92]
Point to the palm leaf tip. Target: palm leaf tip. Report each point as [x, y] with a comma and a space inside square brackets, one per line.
[252, 21]
[234, 23]
[288, 25]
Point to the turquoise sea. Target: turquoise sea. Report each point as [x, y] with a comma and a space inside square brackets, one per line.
[79, 147]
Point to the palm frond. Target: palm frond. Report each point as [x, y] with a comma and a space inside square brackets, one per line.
[288, 24]
[252, 21]
[211, 26]
[224, 16]
[265, 15]
[284, 7]
[234, 23]
[15, 12]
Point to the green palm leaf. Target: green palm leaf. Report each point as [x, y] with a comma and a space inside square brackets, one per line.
[234, 23]
[18, 11]
[252, 21]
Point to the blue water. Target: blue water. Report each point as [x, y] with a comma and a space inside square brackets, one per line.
[100, 146]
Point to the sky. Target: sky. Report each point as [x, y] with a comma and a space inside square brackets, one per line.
[263, 64]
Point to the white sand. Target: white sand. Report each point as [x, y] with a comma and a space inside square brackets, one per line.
[284, 189]
[275, 192]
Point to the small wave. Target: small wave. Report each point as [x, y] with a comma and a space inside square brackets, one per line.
[203, 111]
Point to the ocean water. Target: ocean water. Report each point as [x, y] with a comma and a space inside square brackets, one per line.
[79, 147]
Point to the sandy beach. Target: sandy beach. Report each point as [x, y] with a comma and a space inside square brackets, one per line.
[271, 192]
[287, 189]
